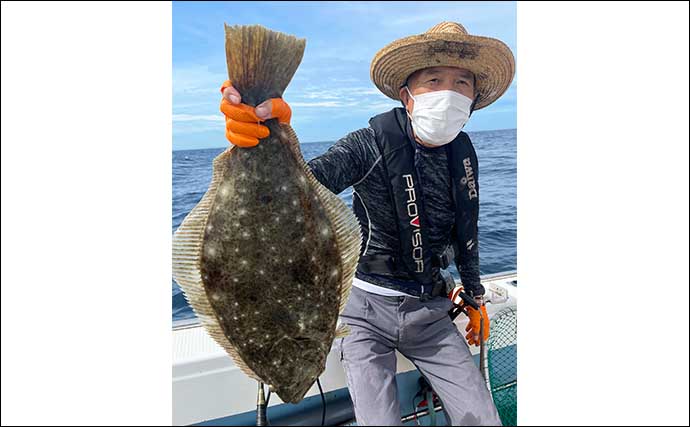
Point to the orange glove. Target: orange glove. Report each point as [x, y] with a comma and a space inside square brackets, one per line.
[474, 323]
[242, 122]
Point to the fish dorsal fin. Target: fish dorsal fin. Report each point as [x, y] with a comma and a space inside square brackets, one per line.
[186, 251]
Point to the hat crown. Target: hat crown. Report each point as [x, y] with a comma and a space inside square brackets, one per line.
[445, 44]
[448, 28]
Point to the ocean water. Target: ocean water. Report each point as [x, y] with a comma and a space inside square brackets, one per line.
[496, 151]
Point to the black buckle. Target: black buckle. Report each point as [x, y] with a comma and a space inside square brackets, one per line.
[442, 261]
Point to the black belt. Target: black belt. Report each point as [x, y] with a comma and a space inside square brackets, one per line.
[389, 265]
[386, 265]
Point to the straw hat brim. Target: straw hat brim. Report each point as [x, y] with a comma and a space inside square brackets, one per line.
[489, 59]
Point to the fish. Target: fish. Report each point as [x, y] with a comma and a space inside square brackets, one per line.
[267, 257]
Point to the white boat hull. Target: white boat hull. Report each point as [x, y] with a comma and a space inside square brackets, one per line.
[208, 386]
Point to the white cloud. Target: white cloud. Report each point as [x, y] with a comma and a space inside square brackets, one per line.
[364, 91]
[343, 79]
[490, 110]
[382, 106]
[196, 80]
[322, 104]
[198, 117]
[321, 94]
[337, 97]
[197, 127]
[334, 91]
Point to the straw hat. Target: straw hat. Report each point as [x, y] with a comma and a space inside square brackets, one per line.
[446, 44]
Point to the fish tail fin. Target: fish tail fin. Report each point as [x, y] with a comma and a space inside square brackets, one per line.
[261, 62]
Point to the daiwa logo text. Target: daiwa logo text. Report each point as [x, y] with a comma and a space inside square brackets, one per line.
[469, 178]
[413, 213]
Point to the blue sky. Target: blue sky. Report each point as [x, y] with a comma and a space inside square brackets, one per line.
[331, 93]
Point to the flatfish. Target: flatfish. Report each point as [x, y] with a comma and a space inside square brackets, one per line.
[266, 258]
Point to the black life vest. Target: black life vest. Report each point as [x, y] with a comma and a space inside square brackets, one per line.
[398, 151]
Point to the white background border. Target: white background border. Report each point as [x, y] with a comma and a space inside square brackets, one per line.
[602, 213]
[86, 223]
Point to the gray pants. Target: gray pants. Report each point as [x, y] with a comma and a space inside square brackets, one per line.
[424, 334]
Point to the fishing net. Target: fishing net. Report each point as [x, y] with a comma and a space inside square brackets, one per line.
[502, 364]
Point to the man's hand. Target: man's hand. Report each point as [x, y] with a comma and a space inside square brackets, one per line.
[473, 325]
[242, 122]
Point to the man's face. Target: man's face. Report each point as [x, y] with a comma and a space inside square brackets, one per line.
[438, 78]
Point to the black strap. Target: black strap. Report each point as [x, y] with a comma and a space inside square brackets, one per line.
[384, 265]
[404, 187]
[389, 265]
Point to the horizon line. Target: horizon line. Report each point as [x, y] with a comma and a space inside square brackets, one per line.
[328, 140]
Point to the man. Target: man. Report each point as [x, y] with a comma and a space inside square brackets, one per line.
[416, 193]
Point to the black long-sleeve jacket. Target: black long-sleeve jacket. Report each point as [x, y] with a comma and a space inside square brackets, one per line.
[355, 161]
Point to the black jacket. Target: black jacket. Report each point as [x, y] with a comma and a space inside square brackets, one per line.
[355, 161]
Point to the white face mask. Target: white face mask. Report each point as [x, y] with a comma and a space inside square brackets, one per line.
[438, 117]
